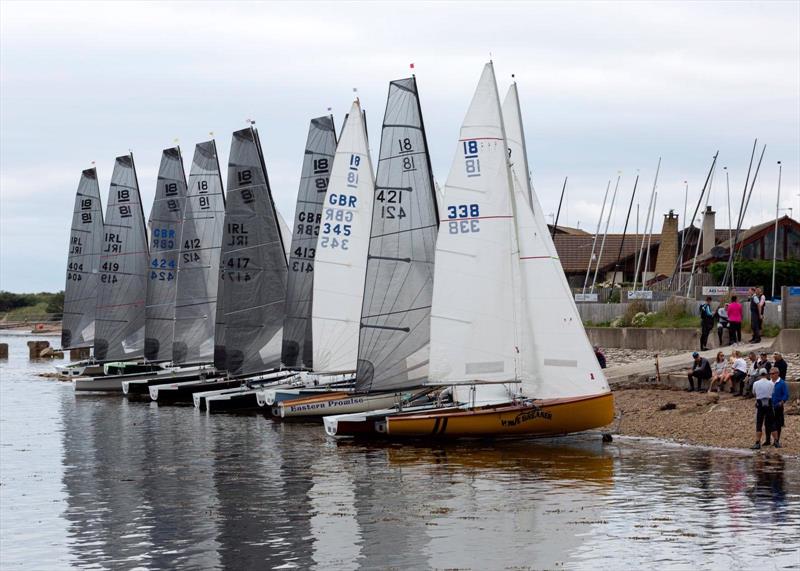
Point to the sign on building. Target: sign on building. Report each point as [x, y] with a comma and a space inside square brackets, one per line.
[586, 297]
[715, 290]
[641, 294]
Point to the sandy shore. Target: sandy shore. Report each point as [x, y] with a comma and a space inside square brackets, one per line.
[697, 419]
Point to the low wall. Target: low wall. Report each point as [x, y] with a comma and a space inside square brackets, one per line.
[653, 338]
[606, 312]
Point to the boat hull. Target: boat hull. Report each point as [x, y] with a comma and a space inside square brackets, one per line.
[541, 418]
[336, 403]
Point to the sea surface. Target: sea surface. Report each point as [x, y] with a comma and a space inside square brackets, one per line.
[97, 482]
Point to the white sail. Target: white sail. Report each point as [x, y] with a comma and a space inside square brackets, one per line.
[473, 333]
[341, 256]
[556, 357]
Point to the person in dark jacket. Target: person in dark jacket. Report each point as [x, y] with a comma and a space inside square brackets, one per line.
[755, 315]
[600, 357]
[701, 370]
[780, 364]
[706, 323]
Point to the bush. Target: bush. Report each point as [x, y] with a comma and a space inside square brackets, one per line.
[759, 273]
[56, 303]
[631, 311]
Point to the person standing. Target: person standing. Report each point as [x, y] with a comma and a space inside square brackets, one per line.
[779, 362]
[780, 395]
[706, 323]
[701, 370]
[755, 315]
[722, 322]
[763, 389]
[735, 320]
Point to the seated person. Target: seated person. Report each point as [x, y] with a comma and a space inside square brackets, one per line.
[701, 370]
[739, 375]
[721, 372]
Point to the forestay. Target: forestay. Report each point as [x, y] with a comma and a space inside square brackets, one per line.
[317, 162]
[253, 263]
[473, 333]
[198, 260]
[83, 264]
[166, 220]
[124, 258]
[395, 315]
[557, 358]
[340, 261]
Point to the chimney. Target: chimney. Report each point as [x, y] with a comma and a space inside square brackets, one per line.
[668, 246]
[708, 230]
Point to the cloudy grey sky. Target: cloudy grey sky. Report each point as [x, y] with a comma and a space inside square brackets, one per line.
[605, 87]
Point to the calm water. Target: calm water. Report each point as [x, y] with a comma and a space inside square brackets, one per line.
[99, 482]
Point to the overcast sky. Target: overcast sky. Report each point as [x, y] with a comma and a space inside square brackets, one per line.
[605, 87]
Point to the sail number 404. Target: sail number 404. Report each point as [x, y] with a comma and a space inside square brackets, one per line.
[463, 218]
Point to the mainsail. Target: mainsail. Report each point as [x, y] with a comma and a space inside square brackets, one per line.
[556, 357]
[317, 162]
[473, 330]
[83, 264]
[253, 263]
[340, 261]
[395, 317]
[124, 258]
[198, 262]
[166, 220]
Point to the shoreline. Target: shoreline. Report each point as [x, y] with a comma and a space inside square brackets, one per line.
[699, 419]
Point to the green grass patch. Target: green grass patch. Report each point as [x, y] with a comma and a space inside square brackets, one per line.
[34, 311]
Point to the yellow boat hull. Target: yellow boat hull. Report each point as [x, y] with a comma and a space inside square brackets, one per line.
[541, 418]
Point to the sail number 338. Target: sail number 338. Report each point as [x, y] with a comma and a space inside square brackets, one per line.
[463, 218]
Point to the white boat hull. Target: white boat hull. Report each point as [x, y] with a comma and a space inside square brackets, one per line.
[320, 406]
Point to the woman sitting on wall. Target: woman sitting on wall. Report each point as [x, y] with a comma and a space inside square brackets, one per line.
[721, 369]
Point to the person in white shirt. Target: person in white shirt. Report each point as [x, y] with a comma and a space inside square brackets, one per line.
[762, 389]
[739, 373]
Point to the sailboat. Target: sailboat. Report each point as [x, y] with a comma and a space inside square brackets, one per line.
[253, 270]
[165, 223]
[505, 333]
[83, 265]
[394, 322]
[196, 277]
[296, 350]
[122, 287]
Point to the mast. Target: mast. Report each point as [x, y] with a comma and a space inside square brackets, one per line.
[605, 232]
[679, 261]
[739, 218]
[558, 212]
[596, 233]
[649, 239]
[624, 232]
[728, 194]
[775, 240]
[699, 238]
[650, 206]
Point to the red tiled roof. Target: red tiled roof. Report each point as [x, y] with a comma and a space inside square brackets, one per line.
[575, 251]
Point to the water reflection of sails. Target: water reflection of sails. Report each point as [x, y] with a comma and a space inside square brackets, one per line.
[465, 505]
[125, 502]
[261, 481]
